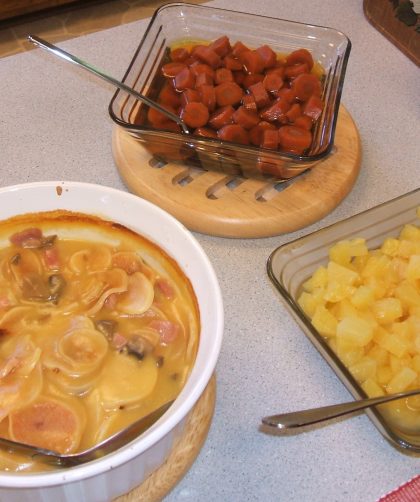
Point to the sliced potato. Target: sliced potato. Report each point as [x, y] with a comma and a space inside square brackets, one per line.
[126, 380]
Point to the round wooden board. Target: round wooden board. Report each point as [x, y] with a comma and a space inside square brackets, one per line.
[212, 203]
[183, 454]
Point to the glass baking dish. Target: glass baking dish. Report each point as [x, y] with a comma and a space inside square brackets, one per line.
[290, 265]
[177, 22]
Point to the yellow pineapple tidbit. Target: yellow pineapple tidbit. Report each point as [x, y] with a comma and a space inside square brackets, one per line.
[366, 304]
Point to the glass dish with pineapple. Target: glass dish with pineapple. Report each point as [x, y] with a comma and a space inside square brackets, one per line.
[354, 288]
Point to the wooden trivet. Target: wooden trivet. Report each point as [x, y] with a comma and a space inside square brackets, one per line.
[183, 454]
[218, 204]
[381, 15]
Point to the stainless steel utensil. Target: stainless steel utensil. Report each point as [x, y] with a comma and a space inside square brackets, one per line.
[296, 419]
[101, 74]
[108, 445]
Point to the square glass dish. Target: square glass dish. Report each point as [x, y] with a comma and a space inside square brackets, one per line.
[178, 24]
[290, 265]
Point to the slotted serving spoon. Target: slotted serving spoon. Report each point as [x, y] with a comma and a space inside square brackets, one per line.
[53, 49]
[106, 446]
[297, 419]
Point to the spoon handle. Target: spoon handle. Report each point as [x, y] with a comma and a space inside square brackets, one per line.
[298, 419]
[99, 73]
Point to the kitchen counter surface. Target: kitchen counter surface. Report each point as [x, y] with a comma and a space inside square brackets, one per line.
[54, 125]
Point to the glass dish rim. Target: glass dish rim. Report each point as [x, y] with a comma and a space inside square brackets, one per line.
[299, 159]
[340, 371]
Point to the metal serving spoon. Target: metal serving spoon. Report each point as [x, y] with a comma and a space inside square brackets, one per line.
[101, 74]
[296, 419]
[108, 445]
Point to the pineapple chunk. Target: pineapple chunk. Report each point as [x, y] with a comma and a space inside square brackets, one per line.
[343, 252]
[390, 246]
[347, 352]
[324, 322]
[387, 310]
[384, 375]
[408, 294]
[393, 344]
[355, 330]
[318, 279]
[341, 282]
[410, 233]
[377, 266]
[372, 389]
[362, 297]
[402, 380]
[412, 272]
[364, 369]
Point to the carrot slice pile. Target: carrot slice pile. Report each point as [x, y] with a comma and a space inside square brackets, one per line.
[242, 95]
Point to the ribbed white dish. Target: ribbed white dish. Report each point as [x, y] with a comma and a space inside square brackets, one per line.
[117, 473]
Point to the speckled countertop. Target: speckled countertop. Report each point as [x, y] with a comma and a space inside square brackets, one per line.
[54, 125]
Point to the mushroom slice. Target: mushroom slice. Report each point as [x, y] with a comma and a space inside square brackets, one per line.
[126, 380]
[96, 289]
[47, 423]
[139, 296]
[83, 349]
[94, 259]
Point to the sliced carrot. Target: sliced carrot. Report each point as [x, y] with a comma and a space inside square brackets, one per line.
[189, 96]
[208, 96]
[239, 77]
[169, 96]
[276, 111]
[267, 55]
[245, 118]
[203, 79]
[195, 114]
[248, 102]
[294, 139]
[228, 93]
[222, 117]
[292, 72]
[252, 79]
[305, 85]
[46, 424]
[273, 82]
[232, 63]
[221, 46]
[179, 55]
[198, 67]
[278, 70]
[286, 94]
[304, 122]
[294, 112]
[223, 75]
[208, 56]
[257, 132]
[234, 133]
[158, 119]
[260, 94]
[205, 132]
[270, 139]
[238, 48]
[252, 61]
[171, 70]
[185, 79]
[313, 107]
[300, 56]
